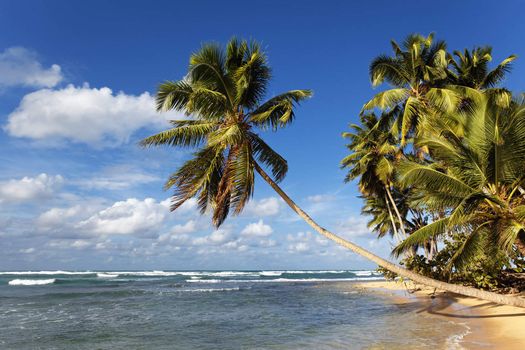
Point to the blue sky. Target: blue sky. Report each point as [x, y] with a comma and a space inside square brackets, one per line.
[76, 87]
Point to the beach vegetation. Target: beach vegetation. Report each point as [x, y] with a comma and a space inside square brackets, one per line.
[457, 161]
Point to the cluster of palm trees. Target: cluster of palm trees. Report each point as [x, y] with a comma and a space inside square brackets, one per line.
[444, 150]
[223, 96]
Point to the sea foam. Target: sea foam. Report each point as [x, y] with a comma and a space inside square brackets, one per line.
[283, 280]
[57, 272]
[20, 282]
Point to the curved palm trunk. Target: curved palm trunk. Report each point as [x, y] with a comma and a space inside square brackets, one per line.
[454, 288]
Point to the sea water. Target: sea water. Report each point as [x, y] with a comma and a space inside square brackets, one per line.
[210, 310]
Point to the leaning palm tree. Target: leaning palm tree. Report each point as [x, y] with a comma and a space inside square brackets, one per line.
[223, 93]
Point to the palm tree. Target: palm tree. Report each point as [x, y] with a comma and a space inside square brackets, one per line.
[223, 93]
[478, 178]
[471, 69]
[373, 154]
[418, 75]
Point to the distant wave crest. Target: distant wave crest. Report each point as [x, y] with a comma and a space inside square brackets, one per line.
[286, 280]
[21, 282]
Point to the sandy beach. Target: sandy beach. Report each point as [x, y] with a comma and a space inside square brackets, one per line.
[491, 326]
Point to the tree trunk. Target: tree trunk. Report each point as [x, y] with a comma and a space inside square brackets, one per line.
[392, 221]
[401, 225]
[433, 248]
[413, 250]
[454, 288]
[520, 243]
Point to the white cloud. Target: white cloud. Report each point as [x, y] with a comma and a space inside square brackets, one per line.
[20, 67]
[129, 217]
[92, 116]
[135, 217]
[303, 242]
[81, 244]
[118, 180]
[299, 247]
[320, 198]
[267, 243]
[257, 229]
[188, 227]
[264, 207]
[56, 217]
[30, 188]
[354, 227]
[27, 251]
[217, 237]
[188, 207]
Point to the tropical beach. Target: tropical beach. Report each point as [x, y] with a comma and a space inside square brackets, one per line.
[490, 325]
[225, 176]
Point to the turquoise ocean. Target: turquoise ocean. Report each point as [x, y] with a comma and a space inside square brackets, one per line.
[210, 310]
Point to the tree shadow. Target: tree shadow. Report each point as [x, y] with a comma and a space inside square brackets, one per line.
[449, 305]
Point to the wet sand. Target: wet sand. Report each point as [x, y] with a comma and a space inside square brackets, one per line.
[491, 326]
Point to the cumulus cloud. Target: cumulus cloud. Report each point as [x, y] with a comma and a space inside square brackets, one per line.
[264, 207]
[129, 217]
[134, 217]
[55, 218]
[304, 242]
[30, 188]
[257, 229]
[20, 67]
[217, 237]
[188, 227]
[354, 227]
[188, 207]
[97, 117]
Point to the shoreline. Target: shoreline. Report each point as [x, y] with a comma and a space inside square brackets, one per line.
[491, 326]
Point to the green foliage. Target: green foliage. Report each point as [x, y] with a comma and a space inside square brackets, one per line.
[451, 144]
[223, 94]
[484, 271]
[387, 274]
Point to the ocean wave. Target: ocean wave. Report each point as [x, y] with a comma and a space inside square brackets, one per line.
[56, 272]
[209, 281]
[454, 341]
[277, 280]
[271, 273]
[106, 275]
[366, 273]
[154, 273]
[207, 290]
[21, 282]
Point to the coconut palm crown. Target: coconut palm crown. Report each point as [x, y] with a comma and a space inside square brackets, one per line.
[477, 178]
[470, 68]
[222, 94]
[417, 74]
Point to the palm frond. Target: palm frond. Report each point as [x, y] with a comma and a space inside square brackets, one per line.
[187, 134]
[279, 110]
